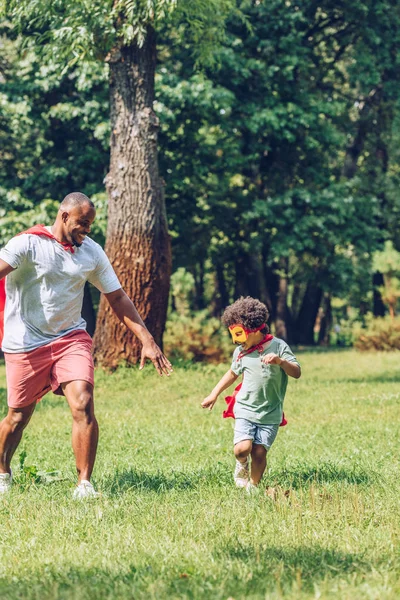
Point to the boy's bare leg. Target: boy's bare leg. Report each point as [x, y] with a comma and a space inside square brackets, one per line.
[242, 450]
[241, 474]
[258, 463]
[85, 430]
[11, 429]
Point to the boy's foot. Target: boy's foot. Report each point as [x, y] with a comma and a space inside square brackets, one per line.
[84, 490]
[5, 482]
[251, 488]
[241, 475]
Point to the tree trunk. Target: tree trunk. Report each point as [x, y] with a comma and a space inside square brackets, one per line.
[221, 296]
[199, 273]
[305, 322]
[282, 318]
[137, 243]
[326, 322]
[272, 285]
[249, 277]
[356, 146]
[379, 308]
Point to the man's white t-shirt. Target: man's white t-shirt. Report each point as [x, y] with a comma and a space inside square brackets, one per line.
[44, 294]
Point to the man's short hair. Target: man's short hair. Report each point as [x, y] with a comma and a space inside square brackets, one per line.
[248, 311]
[75, 199]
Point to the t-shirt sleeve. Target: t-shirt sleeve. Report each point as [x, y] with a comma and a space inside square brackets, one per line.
[103, 277]
[15, 251]
[236, 365]
[286, 353]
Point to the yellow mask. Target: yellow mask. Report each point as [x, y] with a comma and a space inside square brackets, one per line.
[238, 333]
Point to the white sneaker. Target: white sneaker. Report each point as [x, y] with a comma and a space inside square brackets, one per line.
[84, 490]
[5, 483]
[241, 474]
[251, 488]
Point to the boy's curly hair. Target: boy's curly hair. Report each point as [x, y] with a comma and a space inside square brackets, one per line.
[248, 311]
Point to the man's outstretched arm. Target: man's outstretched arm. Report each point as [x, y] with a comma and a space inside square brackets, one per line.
[5, 268]
[126, 312]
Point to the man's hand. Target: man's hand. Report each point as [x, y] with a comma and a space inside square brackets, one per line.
[151, 351]
[271, 359]
[209, 402]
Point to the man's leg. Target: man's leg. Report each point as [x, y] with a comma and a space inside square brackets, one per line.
[258, 463]
[11, 428]
[85, 430]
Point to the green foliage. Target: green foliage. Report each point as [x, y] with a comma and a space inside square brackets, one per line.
[54, 131]
[72, 31]
[254, 151]
[182, 288]
[13, 221]
[387, 261]
[380, 334]
[196, 337]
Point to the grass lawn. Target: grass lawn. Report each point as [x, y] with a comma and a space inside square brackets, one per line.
[170, 523]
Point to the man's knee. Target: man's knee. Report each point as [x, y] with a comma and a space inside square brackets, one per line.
[18, 419]
[82, 406]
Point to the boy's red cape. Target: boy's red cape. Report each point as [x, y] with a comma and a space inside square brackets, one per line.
[35, 230]
[230, 400]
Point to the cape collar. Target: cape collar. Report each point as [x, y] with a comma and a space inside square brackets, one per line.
[42, 230]
[259, 346]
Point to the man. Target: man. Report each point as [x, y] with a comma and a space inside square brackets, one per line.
[45, 343]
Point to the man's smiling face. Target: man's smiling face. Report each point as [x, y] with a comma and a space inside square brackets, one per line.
[77, 223]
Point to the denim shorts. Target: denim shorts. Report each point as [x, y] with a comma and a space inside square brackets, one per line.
[264, 435]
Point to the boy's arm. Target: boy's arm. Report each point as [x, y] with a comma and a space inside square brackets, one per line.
[291, 368]
[226, 381]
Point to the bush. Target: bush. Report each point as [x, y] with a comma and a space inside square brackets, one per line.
[379, 334]
[198, 338]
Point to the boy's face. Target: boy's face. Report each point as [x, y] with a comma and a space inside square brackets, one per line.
[245, 337]
[238, 333]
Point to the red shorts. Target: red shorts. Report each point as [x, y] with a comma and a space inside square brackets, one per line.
[30, 375]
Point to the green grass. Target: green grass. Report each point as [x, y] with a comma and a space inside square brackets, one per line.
[170, 523]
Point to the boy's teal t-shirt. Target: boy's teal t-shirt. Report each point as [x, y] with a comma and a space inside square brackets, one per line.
[261, 396]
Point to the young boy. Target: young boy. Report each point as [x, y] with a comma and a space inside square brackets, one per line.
[265, 362]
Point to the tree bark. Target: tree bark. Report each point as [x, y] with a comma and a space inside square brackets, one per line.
[282, 317]
[305, 322]
[221, 296]
[379, 308]
[326, 322]
[137, 242]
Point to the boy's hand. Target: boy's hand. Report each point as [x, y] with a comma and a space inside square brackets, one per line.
[209, 402]
[271, 359]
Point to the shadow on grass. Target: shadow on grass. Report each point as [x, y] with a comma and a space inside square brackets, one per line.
[272, 569]
[386, 377]
[159, 482]
[303, 565]
[299, 476]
